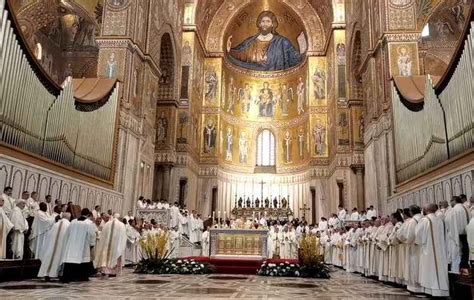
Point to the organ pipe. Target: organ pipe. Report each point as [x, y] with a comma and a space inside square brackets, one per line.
[457, 101]
[35, 120]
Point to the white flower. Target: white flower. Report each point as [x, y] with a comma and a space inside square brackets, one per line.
[179, 261]
[297, 273]
[202, 266]
[271, 274]
[167, 269]
[281, 264]
[271, 265]
[292, 265]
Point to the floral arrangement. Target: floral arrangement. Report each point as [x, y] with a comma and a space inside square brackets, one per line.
[156, 259]
[311, 262]
[173, 266]
[285, 269]
[154, 246]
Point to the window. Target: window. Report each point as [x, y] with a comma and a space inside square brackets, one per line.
[266, 149]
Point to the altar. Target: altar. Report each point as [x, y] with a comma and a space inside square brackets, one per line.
[238, 243]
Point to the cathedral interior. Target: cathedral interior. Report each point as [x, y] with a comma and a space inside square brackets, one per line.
[352, 103]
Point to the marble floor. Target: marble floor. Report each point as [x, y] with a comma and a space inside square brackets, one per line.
[342, 285]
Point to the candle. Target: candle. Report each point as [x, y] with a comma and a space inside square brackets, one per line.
[224, 215]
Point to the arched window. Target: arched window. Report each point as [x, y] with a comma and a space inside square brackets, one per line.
[266, 149]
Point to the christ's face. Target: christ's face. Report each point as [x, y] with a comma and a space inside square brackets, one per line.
[265, 25]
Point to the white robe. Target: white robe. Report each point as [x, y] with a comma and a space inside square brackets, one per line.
[5, 227]
[456, 221]
[342, 215]
[54, 244]
[355, 216]
[132, 249]
[371, 213]
[174, 213]
[323, 226]
[20, 227]
[32, 206]
[42, 223]
[173, 246]
[111, 246]
[433, 264]
[8, 204]
[470, 238]
[205, 243]
[193, 229]
[79, 238]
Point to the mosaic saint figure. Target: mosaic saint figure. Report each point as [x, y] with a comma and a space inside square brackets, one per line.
[319, 133]
[243, 148]
[319, 81]
[286, 97]
[230, 142]
[209, 136]
[300, 90]
[211, 85]
[287, 146]
[404, 61]
[266, 101]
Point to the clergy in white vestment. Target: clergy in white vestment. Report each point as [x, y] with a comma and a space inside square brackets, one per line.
[200, 227]
[205, 242]
[20, 226]
[470, 238]
[42, 223]
[456, 221]
[433, 264]
[183, 224]
[131, 255]
[323, 225]
[371, 212]
[406, 235]
[9, 202]
[333, 221]
[294, 244]
[174, 214]
[96, 212]
[383, 244]
[193, 227]
[443, 209]
[354, 215]
[109, 252]
[32, 204]
[49, 205]
[79, 239]
[285, 243]
[5, 227]
[51, 259]
[342, 213]
[173, 246]
[396, 262]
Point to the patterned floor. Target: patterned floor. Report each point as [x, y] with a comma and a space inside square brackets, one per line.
[132, 286]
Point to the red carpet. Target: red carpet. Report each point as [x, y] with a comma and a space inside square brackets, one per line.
[238, 266]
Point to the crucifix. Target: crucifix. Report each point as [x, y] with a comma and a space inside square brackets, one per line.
[262, 183]
[305, 209]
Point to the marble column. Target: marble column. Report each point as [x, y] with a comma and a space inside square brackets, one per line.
[360, 187]
[165, 191]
